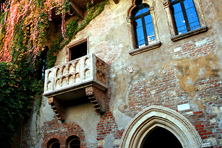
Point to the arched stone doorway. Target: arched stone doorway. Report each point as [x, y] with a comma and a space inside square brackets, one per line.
[159, 138]
[159, 117]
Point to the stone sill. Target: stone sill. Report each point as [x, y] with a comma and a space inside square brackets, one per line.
[145, 48]
[188, 34]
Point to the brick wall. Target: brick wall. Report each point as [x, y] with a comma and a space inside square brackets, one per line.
[54, 129]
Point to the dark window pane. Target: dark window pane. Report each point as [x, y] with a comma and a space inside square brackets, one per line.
[78, 51]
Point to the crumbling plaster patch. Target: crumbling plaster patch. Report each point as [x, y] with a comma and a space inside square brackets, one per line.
[45, 108]
[188, 71]
[121, 119]
[108, 141]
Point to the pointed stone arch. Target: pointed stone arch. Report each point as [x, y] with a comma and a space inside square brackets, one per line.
[147, 2]
[159, 116]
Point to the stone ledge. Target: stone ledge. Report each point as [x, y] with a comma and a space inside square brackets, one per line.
[145, 48]
[188, 34]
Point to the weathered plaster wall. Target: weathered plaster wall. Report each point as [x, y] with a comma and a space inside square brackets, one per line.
[185, 71]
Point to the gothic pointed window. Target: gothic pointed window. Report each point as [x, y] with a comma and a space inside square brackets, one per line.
[185, 16]
[143, 25]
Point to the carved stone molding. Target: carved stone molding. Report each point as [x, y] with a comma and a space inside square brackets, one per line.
[58, 107]
[166, 4]
[97, 97]
[188, 34]
[159, 116]
[145, 48]
[129, 19]
[151, 9]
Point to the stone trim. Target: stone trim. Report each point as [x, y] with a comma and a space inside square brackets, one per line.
[97, 98]
[130, 20]
[75, 43]
[188, 34]
[58, 108]
[171, 24]
[159, 116]
[145, 48]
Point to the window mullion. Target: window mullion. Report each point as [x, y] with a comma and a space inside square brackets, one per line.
[185, 15]
[134, 25]
[144, 30]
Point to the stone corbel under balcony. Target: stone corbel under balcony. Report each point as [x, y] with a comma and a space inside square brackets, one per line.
[97, 97]
[77, 79]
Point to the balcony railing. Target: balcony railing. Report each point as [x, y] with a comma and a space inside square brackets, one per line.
[86, 70]
[85, 76]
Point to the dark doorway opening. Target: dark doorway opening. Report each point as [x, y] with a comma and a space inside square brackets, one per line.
[55, 145]
[73, 142]
[78, 50]
[160, 138]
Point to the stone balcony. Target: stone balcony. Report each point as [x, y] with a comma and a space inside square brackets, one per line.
[79, 78]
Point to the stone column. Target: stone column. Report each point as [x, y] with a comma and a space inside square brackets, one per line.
[170, 21]
[131, 31]
[151, 9]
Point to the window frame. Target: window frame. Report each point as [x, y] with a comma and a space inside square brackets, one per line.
[132, 35]
[187, 23]
[73, 44]
[142, 17]
[171, 21]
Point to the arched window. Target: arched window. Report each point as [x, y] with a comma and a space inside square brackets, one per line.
[53, 143]
[73, 142]
[185, 16]
[143, 25]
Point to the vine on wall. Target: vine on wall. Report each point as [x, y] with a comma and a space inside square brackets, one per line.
[23, 29]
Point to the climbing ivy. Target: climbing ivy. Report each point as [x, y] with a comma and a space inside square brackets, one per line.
[16, 98]
[23, 36]
[71, 29]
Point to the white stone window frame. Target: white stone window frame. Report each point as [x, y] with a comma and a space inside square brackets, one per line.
[134, 49]
[172, 27]
[73, 44]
